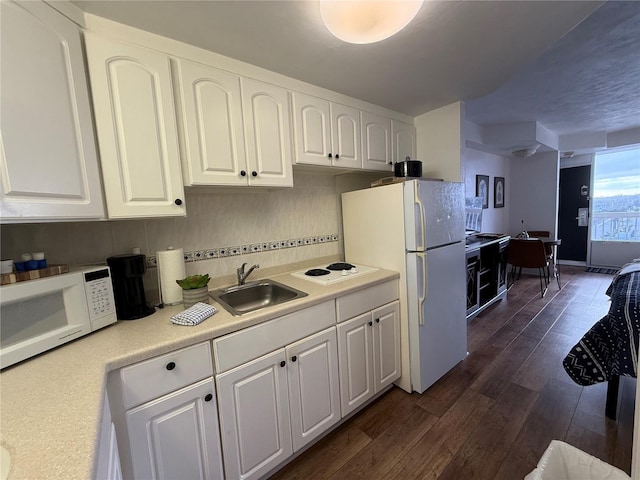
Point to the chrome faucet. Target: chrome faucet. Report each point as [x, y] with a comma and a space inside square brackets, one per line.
[242, 276]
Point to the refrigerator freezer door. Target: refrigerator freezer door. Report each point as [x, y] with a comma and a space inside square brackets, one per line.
[434, 214]
[436, 311]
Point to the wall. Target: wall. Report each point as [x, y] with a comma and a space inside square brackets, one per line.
[439, 142]
[533, 193]
[475, 162]
[219, 220]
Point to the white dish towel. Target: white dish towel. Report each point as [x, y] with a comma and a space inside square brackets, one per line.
[194, 315]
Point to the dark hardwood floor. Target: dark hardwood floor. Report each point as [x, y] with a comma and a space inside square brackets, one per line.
[494, 414]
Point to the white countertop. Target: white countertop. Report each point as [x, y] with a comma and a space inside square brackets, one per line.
[50, 405]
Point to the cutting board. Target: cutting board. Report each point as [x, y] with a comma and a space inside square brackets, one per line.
[15, 277]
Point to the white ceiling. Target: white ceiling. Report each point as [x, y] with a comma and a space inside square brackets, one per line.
[510, 61]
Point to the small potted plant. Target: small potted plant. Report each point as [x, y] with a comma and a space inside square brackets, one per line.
[194, 289]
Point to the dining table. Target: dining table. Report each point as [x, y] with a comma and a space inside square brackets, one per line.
[551, 244]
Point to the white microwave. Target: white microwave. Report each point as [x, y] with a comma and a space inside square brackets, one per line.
[38, 315]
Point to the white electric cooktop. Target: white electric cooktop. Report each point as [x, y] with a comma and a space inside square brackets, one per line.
[333, 273]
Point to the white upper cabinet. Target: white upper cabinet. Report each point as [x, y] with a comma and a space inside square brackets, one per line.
[268, 133]
[345, 136]
[136, 126]
[48, 163]
[325, 133]
[376, 142]
[404, 141]
[210, 108]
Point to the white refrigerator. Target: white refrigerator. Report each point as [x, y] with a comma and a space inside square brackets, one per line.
[416, 228]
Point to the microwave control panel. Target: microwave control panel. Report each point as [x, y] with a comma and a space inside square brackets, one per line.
[99, 292]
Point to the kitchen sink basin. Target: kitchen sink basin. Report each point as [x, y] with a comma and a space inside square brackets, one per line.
[254, 296]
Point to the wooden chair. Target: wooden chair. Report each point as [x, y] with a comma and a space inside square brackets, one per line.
[528, 253]
[549, 251]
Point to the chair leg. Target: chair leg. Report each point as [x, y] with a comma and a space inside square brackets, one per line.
[541, 274]
[511, 277]
[557, 271]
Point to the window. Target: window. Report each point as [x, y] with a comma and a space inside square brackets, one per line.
[615, 214]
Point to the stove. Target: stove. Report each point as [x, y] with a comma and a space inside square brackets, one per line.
[333, 273]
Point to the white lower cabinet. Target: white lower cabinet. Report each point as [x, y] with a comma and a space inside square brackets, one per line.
[166, 416]
[314, 396]
[273, 406]
[176, 436]
[369, 355]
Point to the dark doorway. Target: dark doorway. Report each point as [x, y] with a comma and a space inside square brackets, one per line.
[575, 192]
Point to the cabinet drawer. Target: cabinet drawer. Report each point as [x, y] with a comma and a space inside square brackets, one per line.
[157, 376]
[356, 303]
[240, 347]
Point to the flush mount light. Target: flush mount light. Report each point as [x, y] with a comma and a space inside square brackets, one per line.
[367, 21]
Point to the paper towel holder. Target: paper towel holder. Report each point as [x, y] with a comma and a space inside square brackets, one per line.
[177, 270]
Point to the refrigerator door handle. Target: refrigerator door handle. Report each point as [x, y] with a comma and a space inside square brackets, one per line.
[418, 202]
[422, 287]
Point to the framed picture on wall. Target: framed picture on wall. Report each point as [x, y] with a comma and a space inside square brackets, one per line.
[498, 192]
[482, 189]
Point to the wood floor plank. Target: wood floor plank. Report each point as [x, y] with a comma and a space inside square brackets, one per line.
[549, 419]
[434, 450]
[545, 362]
[379, 456]
[588, 414]
[482, 454]
[516, 325]
[441, 396]
[376, 419]
[327, 456]
[492, 382]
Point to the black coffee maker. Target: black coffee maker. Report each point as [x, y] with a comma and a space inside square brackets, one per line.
[126, 275]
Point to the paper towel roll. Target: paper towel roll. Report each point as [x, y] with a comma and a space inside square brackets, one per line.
[170, 268]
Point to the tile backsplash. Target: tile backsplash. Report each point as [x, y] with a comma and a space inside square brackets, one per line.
[270, 245]
[261, 225]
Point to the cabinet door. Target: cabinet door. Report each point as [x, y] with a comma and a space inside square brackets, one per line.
[404, 141]
[312, 130]
[314, 395]
[346, 136]
[176, 436]
[268, 133]
[472, 275]
[212, 129]
[136, 126]
[376, 142]
[254, 416]
[386, 345]
[48, 161]
[355, 358]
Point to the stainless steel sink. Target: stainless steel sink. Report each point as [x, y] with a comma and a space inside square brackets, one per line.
[255, 295]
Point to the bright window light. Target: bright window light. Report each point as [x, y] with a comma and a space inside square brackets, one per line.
[616, 197]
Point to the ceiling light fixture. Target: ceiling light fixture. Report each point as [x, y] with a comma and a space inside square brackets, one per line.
[365, 21]
[526, 152]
